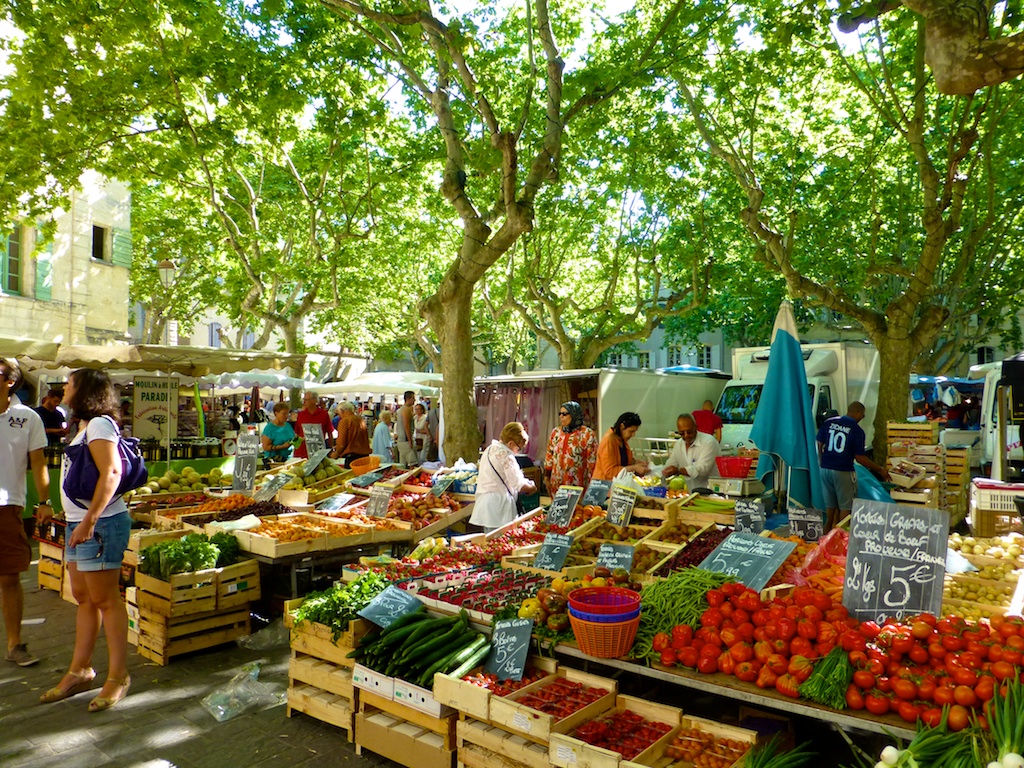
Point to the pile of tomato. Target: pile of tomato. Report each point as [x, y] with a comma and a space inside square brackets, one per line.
[916, 668]
[560, 698]
[503, 688]
[624, 732]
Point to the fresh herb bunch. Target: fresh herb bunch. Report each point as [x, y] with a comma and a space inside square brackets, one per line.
[230, 551]
[194, 552]
[829, 680]
[337, 606]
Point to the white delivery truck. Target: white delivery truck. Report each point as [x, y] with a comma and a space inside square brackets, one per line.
[991, 425]
[837, 374]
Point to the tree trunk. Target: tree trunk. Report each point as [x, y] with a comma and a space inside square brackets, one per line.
[449, 312]
[896, 356]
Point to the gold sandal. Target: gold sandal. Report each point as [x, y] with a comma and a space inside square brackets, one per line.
[84, 678]
[101, 703]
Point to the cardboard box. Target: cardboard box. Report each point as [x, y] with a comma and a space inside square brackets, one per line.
[366, 679]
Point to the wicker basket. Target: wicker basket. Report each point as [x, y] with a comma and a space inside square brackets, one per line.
[604, 640]
[734, 466]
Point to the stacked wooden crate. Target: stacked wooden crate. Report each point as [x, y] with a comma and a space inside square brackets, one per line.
[918, 443]
[958, 480]
[50, 573]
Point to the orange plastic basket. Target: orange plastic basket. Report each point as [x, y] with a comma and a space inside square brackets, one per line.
[362, 466]
[604, 640]
[734, 466]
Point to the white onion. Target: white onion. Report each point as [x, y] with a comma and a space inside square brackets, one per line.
[1012, 760]
[890, 755]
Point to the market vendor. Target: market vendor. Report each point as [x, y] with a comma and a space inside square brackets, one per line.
[693, 455]
[614, 453]
[353, 441]
[278, 435]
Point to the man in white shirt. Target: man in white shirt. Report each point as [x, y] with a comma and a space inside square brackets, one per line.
[22, 439]
[693, 455]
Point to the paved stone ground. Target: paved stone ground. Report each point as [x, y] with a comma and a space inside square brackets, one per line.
[161, 723]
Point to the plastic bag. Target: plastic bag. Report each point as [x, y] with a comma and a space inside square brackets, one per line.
[242, 693]
[274, 635]
[628, 479]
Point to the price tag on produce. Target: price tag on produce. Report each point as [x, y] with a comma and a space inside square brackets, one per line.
[314, 461]
[552, 553]
[805, 522]
[895, 561]
[753, 560]
[365, 481]
[442, 484]
[389, 606]
[243, 477]
[750, 517]
[313, 434]
[380, 499]
[614, 556]
[563, 505]
[620, 505]
[510, 645]
[597, 493]
[335, 502]
[270, 488]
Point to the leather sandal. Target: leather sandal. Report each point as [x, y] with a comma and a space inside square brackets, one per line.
[84, 682]
[101, 703]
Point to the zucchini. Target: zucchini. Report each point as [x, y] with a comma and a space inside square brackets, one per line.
[427, 678]
[434, 644]
[474, 660]
[457, 643]
[407, 618]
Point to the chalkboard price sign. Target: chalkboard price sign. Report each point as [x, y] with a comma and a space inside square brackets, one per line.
[552, 553]
[314, 461]
[563, 505]
[244, 475]
[750, 517]
[597, 493]
[335, 502]
[620, 506]
[270, 488]
[510, 644]
[805, 522]
[442, 484]
[753, 560]
[313, 434]
[380, 498]
[614, 556]
[895, 561]
[365, 481]
[389, 606]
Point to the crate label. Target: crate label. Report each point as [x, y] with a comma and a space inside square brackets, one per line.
[805, 522]
[750, 515]
[597, 493]
[565, 754]
[442, 484]
[521, 721]
[380, 500]
[620, 506]
[614, 556]
[563, 505]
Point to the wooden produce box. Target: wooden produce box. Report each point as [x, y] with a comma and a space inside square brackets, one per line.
[443, 726]
[333, 528]
[322, 705]
[472, 700]
[405, 742]
[925, 496]
[442, 525]
[139, 540]
[569, 752]
[317, 640]
[238, 584]
[50, 573]
[482, 745]
[656, 756]
[268, 546]
[522, 562]
[920, 432]
[183, 595]
[324, 675]
[161, 637]
[538, 726]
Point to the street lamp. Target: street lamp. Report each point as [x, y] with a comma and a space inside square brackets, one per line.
[166, 270]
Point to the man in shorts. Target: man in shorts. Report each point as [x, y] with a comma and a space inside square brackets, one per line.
[22, 439]
[841, 442]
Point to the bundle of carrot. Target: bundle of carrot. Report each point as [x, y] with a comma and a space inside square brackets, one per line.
[829, 579]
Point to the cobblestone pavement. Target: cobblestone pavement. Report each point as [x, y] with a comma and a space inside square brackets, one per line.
[161, 723]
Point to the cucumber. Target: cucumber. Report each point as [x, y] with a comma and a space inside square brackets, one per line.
[457, 643]
[427, 678]
[474, 660]
[405, 619]
[426, 628]
[396, 637]
[417, 650]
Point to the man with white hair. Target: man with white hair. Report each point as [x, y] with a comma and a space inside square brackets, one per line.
[353, 441]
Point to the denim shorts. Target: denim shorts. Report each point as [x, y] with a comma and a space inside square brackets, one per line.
[840, 488]
[105, 550]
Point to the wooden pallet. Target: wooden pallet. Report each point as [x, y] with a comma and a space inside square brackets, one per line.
[163, 637]
[321, 674]
[482, 745]
[325, 706]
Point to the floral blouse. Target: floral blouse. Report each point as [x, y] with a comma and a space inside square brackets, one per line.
[570, 457]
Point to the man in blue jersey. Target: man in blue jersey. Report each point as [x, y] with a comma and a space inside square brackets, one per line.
[841, 442]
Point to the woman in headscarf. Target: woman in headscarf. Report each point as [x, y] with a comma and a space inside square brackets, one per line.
[572, 450]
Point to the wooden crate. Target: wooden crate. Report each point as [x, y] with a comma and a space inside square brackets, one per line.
[50, 572]
[523, 563]
[482, 745]
[317, 639]
[139, 540]
[404, 742]
[656, 756]
[443, 726]
[335, 678]
[273, 548]
[921, 432]
[162, 637]
[183, 595]
[472, 700]
[238, 584]
[987, 523]
[322, 705]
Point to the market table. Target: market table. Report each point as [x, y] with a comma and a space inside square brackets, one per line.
[748, 693]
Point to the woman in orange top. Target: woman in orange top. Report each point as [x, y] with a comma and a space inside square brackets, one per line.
[614, 454]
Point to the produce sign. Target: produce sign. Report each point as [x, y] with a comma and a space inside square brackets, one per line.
[895, 562]
[270, 488]
[365, 481]
[753, 560]
[620, 506]
[510, 644]
[805, 522]
[563, 505]
[313, 434]
[244, 475]
[442, 484]
[614, 556]
[553, 551]
[597, 493]
[335, 502]
[380, 498]
[750, 517]
[389, 606]
[314, 460]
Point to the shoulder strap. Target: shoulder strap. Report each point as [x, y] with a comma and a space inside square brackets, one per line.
[499, 475]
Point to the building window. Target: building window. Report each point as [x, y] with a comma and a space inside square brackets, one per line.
[615, 360]
[12, 262]
[100, 243]
[248, 339]
[986, 355]
[675, 354]
[215, 335]
[643, 360]
[704, 356]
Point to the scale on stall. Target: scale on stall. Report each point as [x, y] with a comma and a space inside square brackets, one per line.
[736, 486]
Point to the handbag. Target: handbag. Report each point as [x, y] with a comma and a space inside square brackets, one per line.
[83, 474]
[520, 509]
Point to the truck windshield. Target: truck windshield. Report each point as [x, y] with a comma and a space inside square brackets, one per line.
[739, 404]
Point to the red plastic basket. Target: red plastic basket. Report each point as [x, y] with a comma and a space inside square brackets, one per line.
[734, 466]
[604, 640]
[607, 600]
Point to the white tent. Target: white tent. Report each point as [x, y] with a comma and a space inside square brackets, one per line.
[381, 383]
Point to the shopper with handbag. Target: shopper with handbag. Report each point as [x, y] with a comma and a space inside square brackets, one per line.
[500, 480]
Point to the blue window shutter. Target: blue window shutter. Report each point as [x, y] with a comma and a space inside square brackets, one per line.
[44, 272]
[122, 255]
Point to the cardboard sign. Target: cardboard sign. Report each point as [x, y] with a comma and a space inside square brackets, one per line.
[895, 561]
[563, 505]
[365, 481]
[442, 484]
[806, 522]
[614, 556]
[552, 553]
[753, 560]
[244, 475]
[597, 493]
[380, 499]
[750, 516]
[270, 488]
[389, 606]
[335, 502]
[313, 434]
[620, 505]
[510, 645]
[155, 407]
[315, 460]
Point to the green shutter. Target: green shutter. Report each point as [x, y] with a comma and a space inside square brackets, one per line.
[44, 272]
[122, 256]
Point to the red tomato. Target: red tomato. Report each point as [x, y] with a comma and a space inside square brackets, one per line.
[715, 598]
[1003, 670]
[814, 613]
[785, 628]
[852, 641]
[965, 696]
[963, 676]
[706, 665]
[863, 679]
[788, 685]
[943, 696]
[937, 650]
[995, 653]
[662, 642]
[1011, 656]
[926, 689]
[668, 657]
[729, 637]
[742, 652]
[766, 678]
[822, 601]
[800, 667]
[807, 629]
[854, 697]
[688, 657]
[746, 671]
[710, 651]
[827, 633]
[858, 659]
[1015, 641]
[682, 632]
[921, 629]
[760, 617]
[958, 718]
[905, 689]
[902, 642]
[741, 615]
[746, 630]
[876, 703]
[931, 717]
[726, 663]
[709, 635]
[870, 629]
[777, 663]
[884, 684]
[801, 646]
[908, 710]
[985, 689]
[919, 654]
[712, 617]
[952, 642]
[781, 646]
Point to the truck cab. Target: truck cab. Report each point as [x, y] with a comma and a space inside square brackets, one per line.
[991, 373]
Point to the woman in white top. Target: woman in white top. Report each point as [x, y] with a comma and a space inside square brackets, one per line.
[96, 538]
[500, 479]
